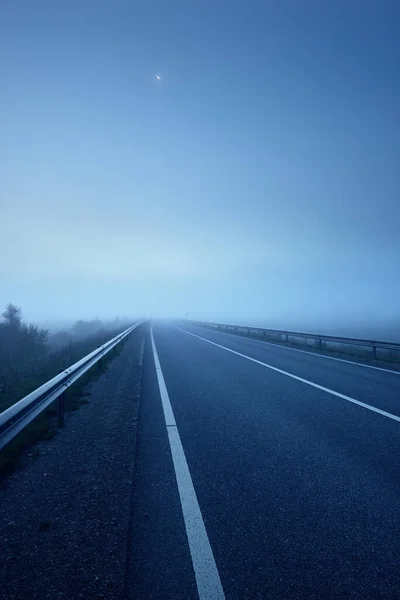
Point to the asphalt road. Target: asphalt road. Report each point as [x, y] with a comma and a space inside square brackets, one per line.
[293, 490]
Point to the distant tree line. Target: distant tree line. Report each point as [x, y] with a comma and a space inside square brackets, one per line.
[29, 355]
[84, 329]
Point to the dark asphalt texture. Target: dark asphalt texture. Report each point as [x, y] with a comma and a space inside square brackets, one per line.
[299, 490]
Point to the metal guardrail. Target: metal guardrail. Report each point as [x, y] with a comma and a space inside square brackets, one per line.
[15, 418]
[286, 336]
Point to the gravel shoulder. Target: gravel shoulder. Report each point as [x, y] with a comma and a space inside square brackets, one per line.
[65, 517]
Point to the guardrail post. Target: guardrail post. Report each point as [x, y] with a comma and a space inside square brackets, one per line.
[286, 338]
[61, 409]
[374, 351]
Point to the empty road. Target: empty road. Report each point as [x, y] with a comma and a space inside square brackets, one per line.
[263, 473]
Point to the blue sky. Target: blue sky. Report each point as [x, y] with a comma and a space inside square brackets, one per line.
[257, 180]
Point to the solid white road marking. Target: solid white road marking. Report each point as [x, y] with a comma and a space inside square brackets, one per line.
[208, 581]
[351, 362]
[311, 383]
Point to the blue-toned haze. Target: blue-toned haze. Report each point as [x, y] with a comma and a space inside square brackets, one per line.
[256, 180]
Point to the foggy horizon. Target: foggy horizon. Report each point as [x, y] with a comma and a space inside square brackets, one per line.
[232, 163]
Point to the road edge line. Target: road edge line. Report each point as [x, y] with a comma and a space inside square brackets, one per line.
[383, 413]
[287, 347]
[208, 581]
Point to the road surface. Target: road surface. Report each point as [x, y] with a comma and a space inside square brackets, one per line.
[263, 473]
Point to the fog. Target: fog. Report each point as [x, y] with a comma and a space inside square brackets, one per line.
[254, 181]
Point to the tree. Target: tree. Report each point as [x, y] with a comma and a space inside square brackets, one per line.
[19, 341]
[12, 316]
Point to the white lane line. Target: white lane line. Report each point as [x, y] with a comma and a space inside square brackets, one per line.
[208, 581]
[351, 362]
[311, 383]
